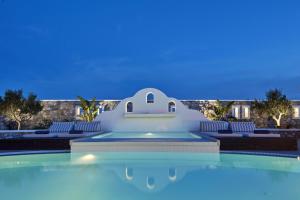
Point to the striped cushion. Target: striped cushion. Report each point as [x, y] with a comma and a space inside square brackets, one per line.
[59, 127]
[88, 126]
[242, 126]
[213, 126]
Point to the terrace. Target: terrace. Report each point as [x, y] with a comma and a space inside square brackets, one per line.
[151, 111]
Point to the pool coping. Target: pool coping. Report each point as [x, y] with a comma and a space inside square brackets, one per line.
[198, 138]
[16, 153]
[260, 153]
[102, 144]
[144, 140]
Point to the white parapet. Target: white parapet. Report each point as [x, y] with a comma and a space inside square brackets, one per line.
[150, 110]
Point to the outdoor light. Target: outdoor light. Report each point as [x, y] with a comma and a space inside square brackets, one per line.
[88, 158]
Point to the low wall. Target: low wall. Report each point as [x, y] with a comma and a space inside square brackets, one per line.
[65, 110]
[35, 144]
[287, 133]
[259, 144]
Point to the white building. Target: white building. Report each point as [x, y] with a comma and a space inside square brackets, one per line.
[150, 110]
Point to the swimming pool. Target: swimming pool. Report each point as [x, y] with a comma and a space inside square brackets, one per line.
[138, 176]
[146, 141]
[148, 135]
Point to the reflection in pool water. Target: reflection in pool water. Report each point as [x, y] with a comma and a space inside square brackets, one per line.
[148, 176]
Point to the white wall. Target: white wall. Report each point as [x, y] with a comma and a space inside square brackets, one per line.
[156, 116]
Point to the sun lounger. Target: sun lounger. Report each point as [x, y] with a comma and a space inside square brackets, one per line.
[68, 130]
[220, 129]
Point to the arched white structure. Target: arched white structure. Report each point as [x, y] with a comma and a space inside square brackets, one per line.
[129, 107]
[150, 97]
[172, 106]
[150, 116]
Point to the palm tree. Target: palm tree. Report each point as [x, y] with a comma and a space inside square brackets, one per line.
[90, 109]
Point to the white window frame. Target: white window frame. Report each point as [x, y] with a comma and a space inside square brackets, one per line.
[172, 108]
[296, 114]
[244, 111]
[126, 110]
[78, 110]
[147, 98]
[99, 109]
[236, 111]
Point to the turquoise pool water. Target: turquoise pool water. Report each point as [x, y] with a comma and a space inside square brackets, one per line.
[147, 135]
[138, 176]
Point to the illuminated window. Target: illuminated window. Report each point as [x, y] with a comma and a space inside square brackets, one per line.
[296, 111]
[236, 111]
[150, 98]
[129, 107]
[172, 107]
[78, 111]
[100, 109]
[246, 112]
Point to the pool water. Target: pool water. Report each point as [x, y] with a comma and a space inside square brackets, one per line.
[138, 176]
[148, 135]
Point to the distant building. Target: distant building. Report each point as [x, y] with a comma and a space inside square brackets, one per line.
[70, 110]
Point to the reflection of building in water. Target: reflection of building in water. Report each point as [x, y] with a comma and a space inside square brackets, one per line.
[149, 172]
[155, 175]
[151, 178]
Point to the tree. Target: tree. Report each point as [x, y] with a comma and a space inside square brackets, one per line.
[90, 109]
[107, 105]
[275, 106]
[18, 108]
[218, 111]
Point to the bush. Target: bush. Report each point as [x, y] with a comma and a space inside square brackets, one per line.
[43, 124]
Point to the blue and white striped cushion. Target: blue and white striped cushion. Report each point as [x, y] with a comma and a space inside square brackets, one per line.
[88, 126]
[242, 127]
[60, 127]
[213, 126]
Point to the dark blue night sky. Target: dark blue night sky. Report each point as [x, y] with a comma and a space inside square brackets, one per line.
[188, 49]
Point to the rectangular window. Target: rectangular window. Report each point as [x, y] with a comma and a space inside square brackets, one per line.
[297, 112]
[100, 109]
[246, 112]
[236, 111]
[79, 110]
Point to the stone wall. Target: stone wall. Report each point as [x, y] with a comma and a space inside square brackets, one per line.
[65, 110]
[61, 111]
[260, 121]
[2, 124]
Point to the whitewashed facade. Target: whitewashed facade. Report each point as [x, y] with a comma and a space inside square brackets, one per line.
[150, 110]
